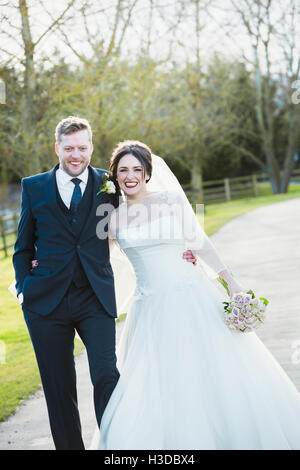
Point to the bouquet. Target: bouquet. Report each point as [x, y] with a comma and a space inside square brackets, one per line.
[244, 312]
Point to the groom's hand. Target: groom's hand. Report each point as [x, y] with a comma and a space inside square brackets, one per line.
[189, 257]
[20, 298]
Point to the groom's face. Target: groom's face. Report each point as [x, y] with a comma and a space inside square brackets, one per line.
[74, 152]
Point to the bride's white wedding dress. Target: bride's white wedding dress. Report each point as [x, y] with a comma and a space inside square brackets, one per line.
[186, 380]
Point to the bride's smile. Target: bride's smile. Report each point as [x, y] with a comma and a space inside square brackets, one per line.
[131, 177]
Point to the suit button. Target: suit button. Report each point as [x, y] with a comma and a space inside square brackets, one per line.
[78, 246]
[73, 221]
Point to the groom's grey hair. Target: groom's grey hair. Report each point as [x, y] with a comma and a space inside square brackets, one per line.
[70, 125]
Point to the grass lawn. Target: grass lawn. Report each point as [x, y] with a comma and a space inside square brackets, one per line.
[19, 375]
[216, 215]
[18, 371]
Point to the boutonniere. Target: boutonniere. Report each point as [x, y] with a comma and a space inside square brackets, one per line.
[108, 185]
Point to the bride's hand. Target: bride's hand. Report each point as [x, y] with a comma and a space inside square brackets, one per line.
[189, 257]
[34, 263]
[235, 288]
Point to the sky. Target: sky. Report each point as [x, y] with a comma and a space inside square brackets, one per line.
[222, 30]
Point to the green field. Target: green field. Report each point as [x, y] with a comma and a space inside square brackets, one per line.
[216, 215]
[18, 371]
[19, 375]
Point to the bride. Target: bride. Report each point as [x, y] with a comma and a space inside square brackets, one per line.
[186, 380]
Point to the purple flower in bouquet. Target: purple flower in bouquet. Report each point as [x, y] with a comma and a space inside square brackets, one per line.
[244, 312]
[236, 311]
[237, 297]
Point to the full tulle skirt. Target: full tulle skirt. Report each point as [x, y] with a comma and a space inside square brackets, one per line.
[188, 382]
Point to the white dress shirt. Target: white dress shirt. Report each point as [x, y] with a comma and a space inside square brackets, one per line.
[66, 186]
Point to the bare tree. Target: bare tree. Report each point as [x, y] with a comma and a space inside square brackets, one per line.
[99, 31]
[197, 20]
[289, 42]
[272, 25]
[20, 48]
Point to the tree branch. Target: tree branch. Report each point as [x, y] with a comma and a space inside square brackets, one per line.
[55, 22]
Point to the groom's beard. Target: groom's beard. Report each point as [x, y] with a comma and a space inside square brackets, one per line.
[73, 170]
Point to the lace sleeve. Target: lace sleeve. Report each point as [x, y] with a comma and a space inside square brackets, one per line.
[195, 237]
[208, 253]
[199, 243]
[163, 179]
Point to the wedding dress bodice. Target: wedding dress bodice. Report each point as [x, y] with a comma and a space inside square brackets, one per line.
[156, 255]
[156, 240]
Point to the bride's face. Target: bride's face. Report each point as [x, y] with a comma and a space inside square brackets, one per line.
[131, 176]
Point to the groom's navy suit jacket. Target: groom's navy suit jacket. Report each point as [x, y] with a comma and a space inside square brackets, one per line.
[66, 248]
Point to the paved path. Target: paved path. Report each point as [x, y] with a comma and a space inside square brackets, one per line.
[262, 248]
[28, 428]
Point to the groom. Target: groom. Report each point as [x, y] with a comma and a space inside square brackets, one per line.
[72, 288]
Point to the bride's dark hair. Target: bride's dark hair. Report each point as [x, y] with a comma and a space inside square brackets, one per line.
[133, 147]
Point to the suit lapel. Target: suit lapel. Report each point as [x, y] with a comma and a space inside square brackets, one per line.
[50, 196]
[92, 219]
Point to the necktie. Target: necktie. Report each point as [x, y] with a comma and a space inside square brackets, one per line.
[76, 196]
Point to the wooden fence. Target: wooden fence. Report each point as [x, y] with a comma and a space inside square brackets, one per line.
[227, 189]
[8, 232]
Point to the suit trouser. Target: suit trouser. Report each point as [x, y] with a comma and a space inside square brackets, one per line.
[53, 341]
